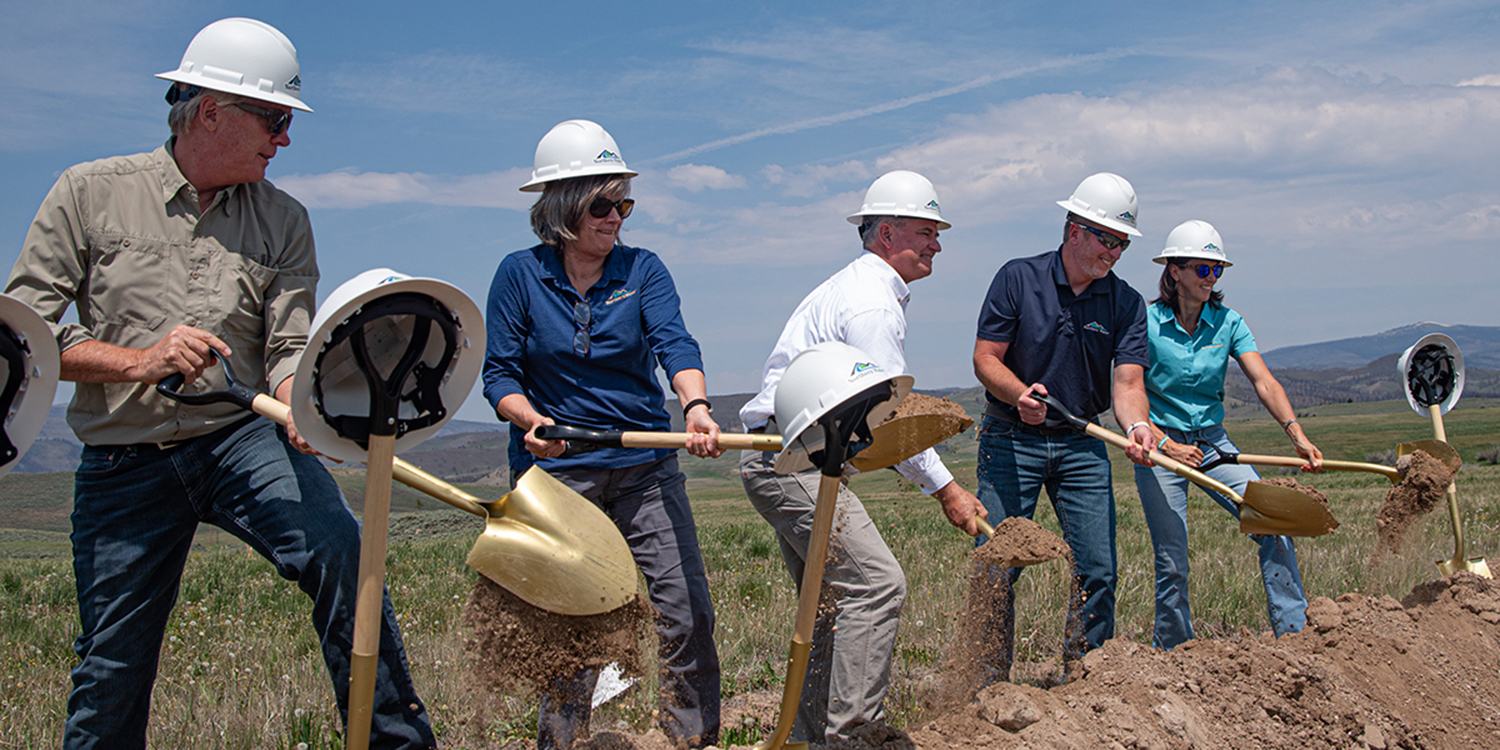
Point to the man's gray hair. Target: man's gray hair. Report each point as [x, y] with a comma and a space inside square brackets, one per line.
[869, 229]
[558, 214]
[181, 116]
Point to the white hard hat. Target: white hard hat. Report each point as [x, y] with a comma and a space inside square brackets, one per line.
[1106, 199]
[246, 57]
[1193, 239]
[1432, 372]
[901, 193]
[819, 379]
[384, 320]
[575, 148]
[29, 361]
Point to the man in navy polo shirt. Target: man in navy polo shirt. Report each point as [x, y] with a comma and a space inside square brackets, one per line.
[1062, 324]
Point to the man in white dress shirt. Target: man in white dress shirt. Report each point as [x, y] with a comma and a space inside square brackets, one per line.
[863, 305]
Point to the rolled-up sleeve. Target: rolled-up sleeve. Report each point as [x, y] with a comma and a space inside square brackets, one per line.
[290, 299]
[51, 267]
[675, 349]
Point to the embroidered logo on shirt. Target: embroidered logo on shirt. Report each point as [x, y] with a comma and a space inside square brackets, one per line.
[1094, 326]
[607, 155]
[618, 295]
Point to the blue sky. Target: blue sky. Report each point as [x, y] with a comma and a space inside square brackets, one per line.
[1347, 152]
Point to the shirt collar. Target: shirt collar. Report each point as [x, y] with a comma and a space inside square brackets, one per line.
[899, 287]
[616, 268]
[173, 182]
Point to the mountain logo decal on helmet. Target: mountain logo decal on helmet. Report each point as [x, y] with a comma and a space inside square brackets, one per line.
[295, 84]
[607, 155]
[861, 368]
[933, 204]
[1211, 247]
[1127, 216]
[1094, 326]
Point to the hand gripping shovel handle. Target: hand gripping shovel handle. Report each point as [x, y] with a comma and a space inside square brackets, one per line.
[1120, 441]
[279, 413]
[608, 439]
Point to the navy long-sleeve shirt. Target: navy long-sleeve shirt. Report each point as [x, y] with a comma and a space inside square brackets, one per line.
[635, 324]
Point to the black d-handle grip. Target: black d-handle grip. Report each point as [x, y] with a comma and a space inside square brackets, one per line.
[235, 393]
[1053, 404]
[598, 438]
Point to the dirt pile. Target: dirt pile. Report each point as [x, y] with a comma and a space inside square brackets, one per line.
[1020, 541]
[916, 404]
[1367, 672]
[1292, 484]
[1423, 485]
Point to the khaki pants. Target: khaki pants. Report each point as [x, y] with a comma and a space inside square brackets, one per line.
[849, 670]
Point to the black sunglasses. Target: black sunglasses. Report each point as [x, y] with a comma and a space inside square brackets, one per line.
[601, 206]
[1109, 241]
[276, 120]
[582, 316]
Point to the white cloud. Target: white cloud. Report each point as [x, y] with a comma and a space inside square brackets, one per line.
[697, 177]
[350, 188]
[1489, 79]
[811, 180]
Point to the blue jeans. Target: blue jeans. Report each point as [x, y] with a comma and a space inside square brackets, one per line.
[1015, 463]
[1164, 499]
[649, 504]
[135, 510]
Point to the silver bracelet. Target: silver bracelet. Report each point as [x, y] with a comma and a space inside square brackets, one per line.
[1134, 425]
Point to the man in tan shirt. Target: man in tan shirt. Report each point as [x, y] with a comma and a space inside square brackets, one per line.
[168, 255]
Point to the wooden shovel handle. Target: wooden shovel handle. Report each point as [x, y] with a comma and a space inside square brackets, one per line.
[403, 472]
[1170, 464]
[642, 439]
[1297, 463]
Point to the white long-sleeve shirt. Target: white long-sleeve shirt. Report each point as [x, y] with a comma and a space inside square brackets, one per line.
[863, 305]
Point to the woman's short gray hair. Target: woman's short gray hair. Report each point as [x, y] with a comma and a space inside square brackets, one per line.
[180, 118]
[557, 215]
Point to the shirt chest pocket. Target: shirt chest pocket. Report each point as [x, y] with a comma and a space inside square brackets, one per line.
[128, 282]
[241, 294]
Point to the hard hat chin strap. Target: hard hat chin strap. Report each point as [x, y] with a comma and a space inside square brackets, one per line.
[1430, 374]
[385, 393]
[13, 350]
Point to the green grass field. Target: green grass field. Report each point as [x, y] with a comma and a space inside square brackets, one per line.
[240, 666]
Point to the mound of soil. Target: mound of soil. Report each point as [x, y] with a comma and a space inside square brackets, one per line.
[1291, 483]
[1423, 485]
[916, 403]
[1020, 541]
[1365, 673]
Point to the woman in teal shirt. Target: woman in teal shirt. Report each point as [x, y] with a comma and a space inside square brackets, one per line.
[1192, 335]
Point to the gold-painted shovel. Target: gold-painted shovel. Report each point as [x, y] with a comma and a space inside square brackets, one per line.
[1264, 509]
[543, 542]
[1460, 559]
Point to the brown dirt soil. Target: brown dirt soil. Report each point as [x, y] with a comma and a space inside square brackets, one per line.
[916, 403]
[1366, 673]
[1020, 541]
[1291, 483]
[514, 647]
[1423, 485]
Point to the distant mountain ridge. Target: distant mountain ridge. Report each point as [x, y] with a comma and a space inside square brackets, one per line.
[1480, 346]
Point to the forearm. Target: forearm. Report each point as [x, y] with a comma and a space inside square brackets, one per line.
[98, 362]
[689, 385]
[517, 410]
[992, 373]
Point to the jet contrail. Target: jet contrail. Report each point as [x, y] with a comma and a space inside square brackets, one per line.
[854, 114]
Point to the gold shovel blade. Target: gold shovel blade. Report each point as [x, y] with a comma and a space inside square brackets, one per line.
[1475, 565]
[896, 440]
[556, 550]
[1283, 511]
[1435, 448]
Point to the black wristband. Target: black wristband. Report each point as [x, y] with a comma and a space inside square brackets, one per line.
[695, 402]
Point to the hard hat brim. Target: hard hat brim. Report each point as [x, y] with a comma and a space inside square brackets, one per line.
[44, 366]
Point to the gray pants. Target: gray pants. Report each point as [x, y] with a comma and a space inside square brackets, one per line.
[650, 506]
[849, 670]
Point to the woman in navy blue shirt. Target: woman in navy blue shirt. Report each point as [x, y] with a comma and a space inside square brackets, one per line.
[576, 327]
